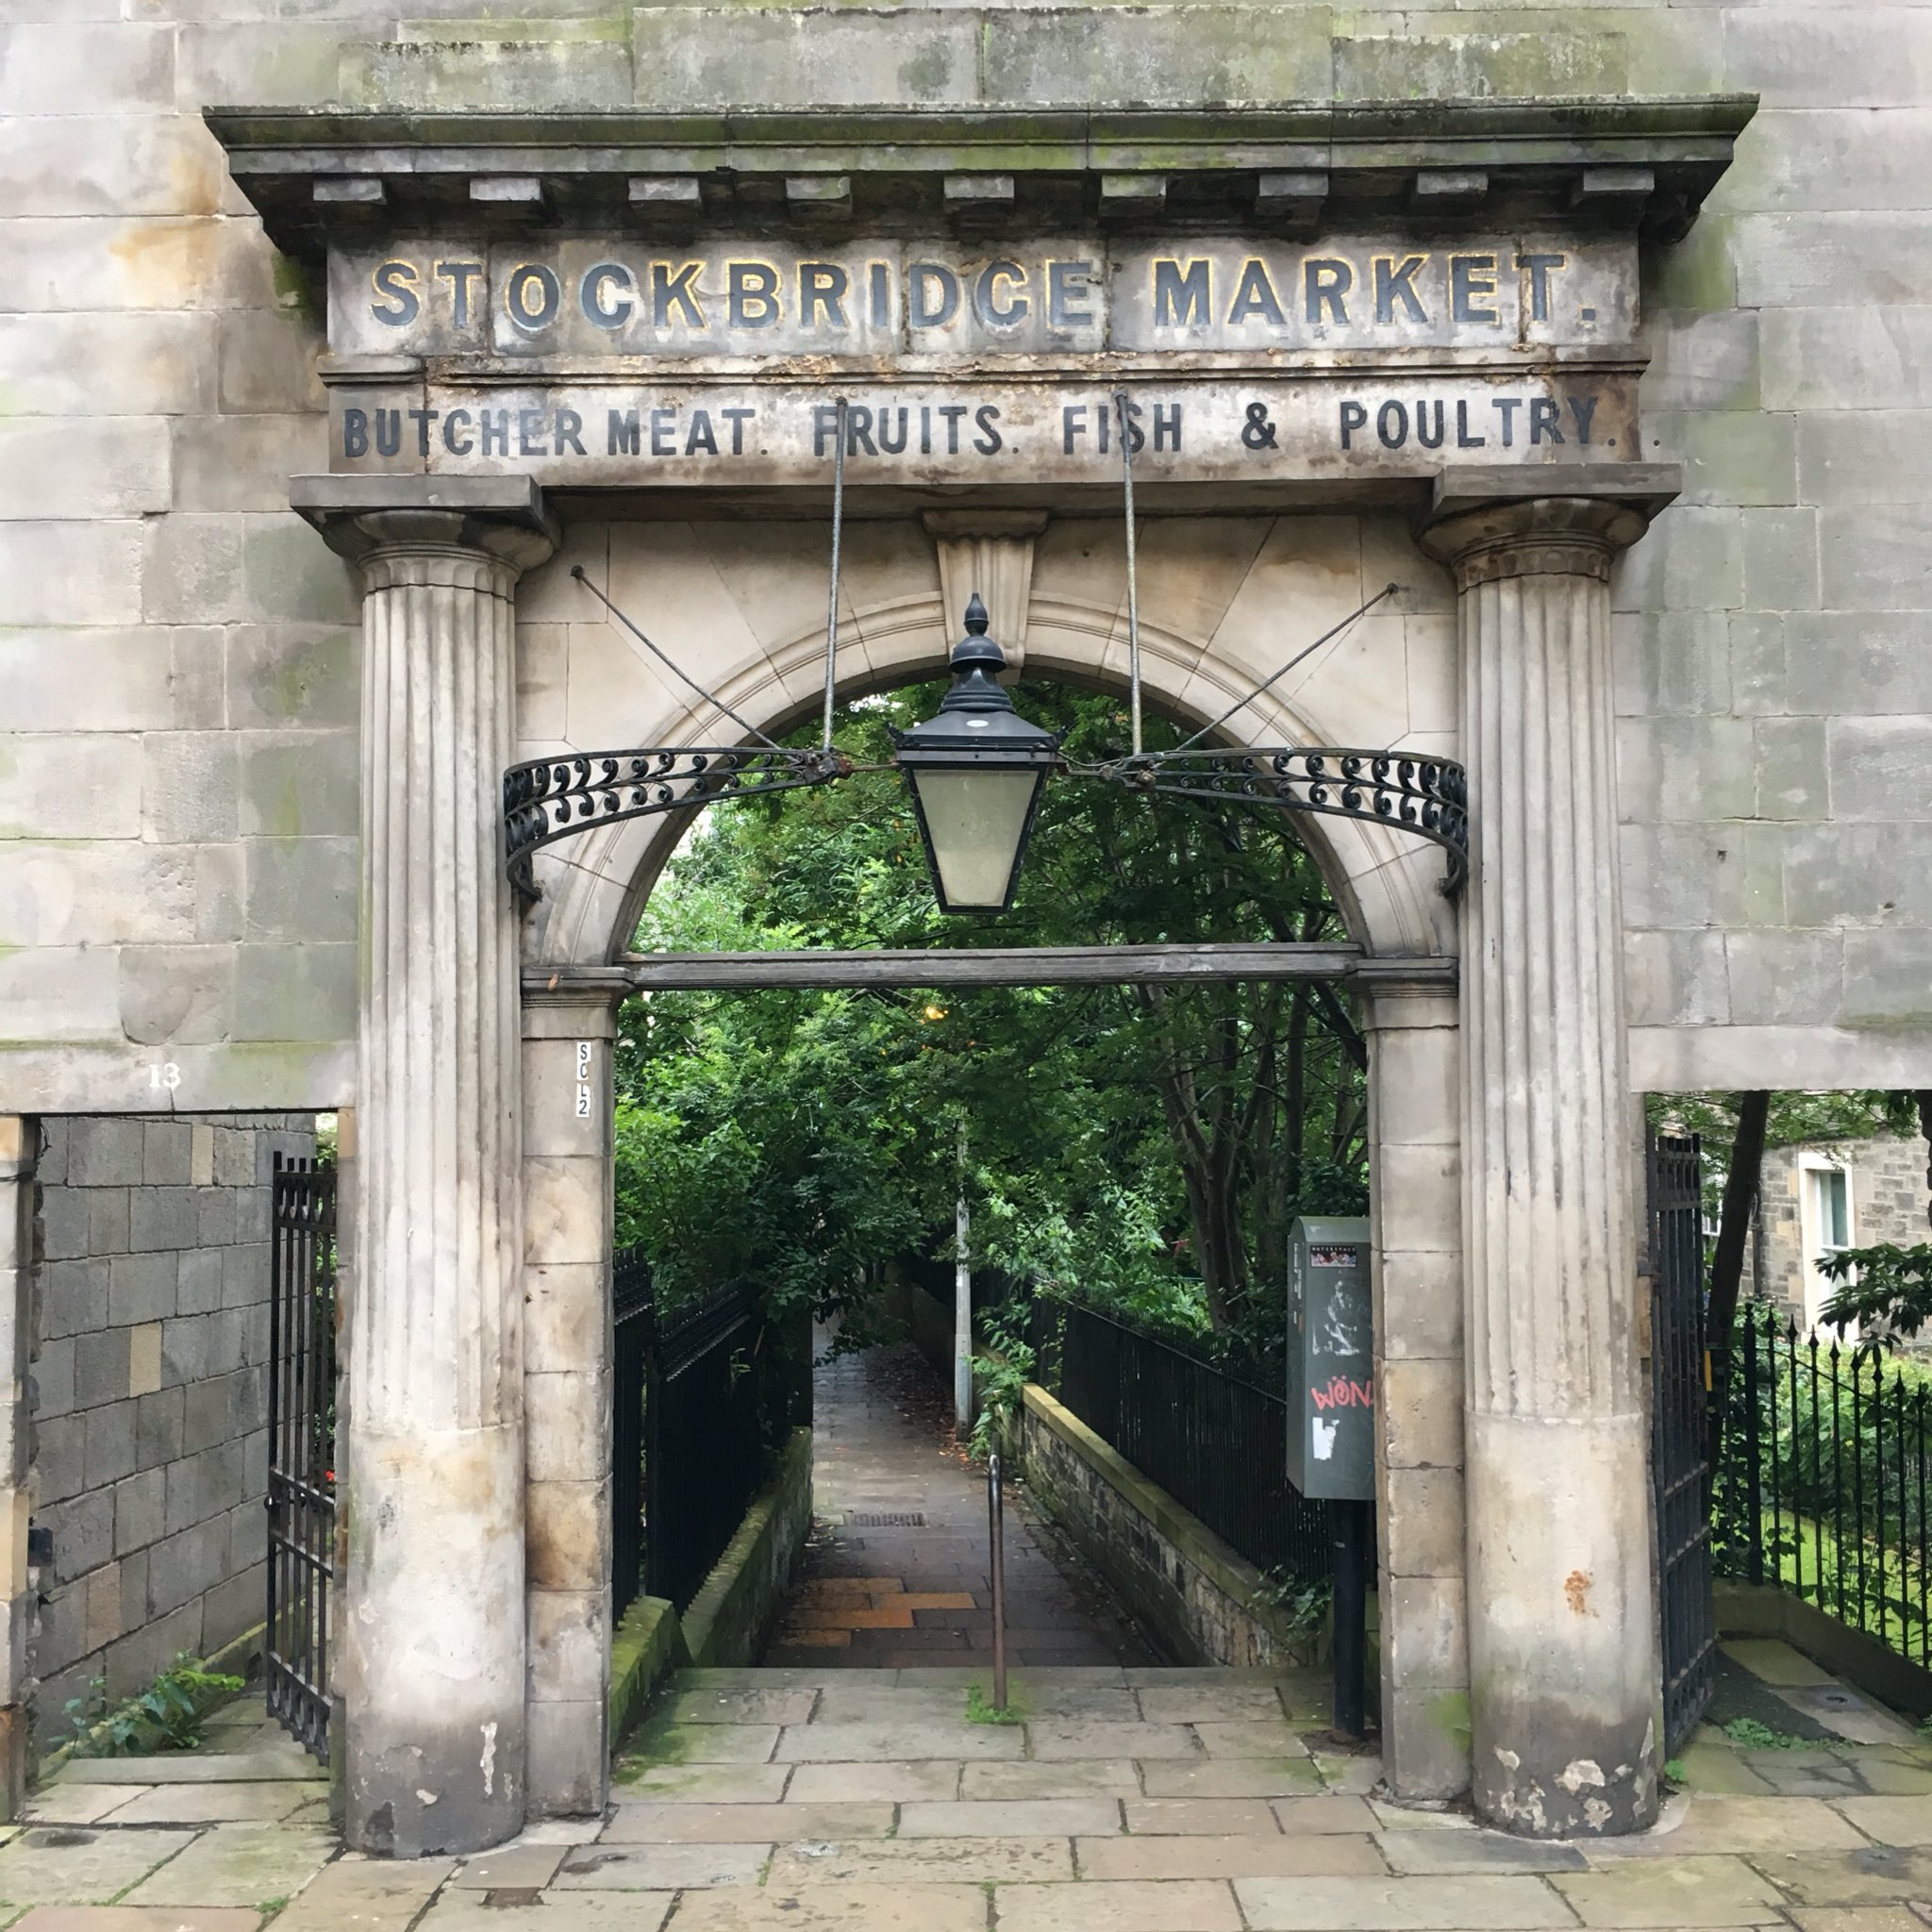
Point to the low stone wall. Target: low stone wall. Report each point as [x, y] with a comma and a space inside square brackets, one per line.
[726, 1621]
[1185, 1587]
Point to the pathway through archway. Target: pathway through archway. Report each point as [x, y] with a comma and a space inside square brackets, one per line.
[896, 1576]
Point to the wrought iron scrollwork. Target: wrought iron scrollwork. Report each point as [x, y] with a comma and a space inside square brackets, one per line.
[547, 799]
[1426, 796]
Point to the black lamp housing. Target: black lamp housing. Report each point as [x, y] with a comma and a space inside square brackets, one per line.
[975, 773]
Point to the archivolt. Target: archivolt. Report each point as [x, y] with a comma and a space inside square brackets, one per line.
[595, 886]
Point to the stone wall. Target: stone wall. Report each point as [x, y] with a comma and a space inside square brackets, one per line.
[1200, 1601]
[150, 1377]
[178, 777]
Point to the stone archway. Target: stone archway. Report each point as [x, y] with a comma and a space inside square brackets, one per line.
[674, 581]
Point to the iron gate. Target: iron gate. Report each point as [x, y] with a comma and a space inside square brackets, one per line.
[302, 1448]
[1679, 1455]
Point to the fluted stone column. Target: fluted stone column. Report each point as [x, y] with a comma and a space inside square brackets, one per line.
[1564, 1674]
[433, 1612]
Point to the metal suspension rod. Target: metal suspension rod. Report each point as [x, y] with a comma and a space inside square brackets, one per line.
[832, 603]
[1214, 724]
[744, 725]
[1120, 403]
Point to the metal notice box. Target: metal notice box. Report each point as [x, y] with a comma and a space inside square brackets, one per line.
[1331, 1374]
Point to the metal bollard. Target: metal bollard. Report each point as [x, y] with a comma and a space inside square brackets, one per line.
[996, 1528]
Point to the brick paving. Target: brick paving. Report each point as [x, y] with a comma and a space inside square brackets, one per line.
[897, 1573]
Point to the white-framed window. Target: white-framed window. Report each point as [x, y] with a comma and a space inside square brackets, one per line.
[1825, 1227]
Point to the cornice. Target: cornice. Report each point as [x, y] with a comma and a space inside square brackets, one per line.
[1299, 166]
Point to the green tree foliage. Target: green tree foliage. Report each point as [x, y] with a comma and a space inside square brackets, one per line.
[1146, 1145]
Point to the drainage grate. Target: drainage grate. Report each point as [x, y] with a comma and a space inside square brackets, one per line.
[904, 1519]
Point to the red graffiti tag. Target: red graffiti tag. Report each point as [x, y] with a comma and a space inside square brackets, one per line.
[1343, 1393]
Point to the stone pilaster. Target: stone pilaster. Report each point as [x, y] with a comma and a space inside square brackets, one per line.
[567, 1350]
[1563, 1674]
[433, 1623]
[1415, 1211]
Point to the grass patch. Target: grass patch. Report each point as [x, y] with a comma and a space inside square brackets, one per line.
[1749, 1735]
[978, 1712]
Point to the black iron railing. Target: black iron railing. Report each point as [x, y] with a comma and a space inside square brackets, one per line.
[630, 1297]
[1824, 1481]
[302, 1454]
[1214, 1438]
[691, 1434]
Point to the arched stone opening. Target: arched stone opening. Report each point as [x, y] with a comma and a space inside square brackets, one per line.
[1203, 650]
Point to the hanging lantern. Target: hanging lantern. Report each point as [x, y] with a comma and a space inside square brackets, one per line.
[975, 773]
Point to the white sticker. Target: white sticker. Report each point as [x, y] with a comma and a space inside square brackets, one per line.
[583, 1060]
[1322, 1433]
[583, 1103]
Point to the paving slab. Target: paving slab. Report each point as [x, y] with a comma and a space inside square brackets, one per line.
[1419, 1853]
[703, 1784]
[135, 1919]
[670, 1744]
[634, 1824]
[1857, 1919]
[1888, 1820]
[1704, 1766]
[559, 1912]
[1186, 1904]
[1874, 1876]
[77, 1865]
[1354, 1777]
[1083, 1738]
[1207, 1701]
[1010, 1818]
[1886, 1777]
[64, 1804]
[366, 1894]
[1672, 1892]
[1214, 1817]
[1332, 1854]
[924, 1860]
[867, 1698]
[661, 1868]
[897, 1780]
[519, 1868]
[831, 1743]
[1693, 1823]
[1844, 1710]
[1774, 1660]
[1390, 1816]
[185, 1768]
[1072, 1777]
[1511, 1904]
[706, 1704]
[208, 1803]
[1232, 1778]
[1249, 1737]
[239, 1865]
[898, 1907]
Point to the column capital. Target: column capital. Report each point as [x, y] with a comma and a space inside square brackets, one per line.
[1555, 520]
[504, 519]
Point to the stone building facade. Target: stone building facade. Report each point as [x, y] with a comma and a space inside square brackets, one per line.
[1599, 331]
[1825, 1194]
